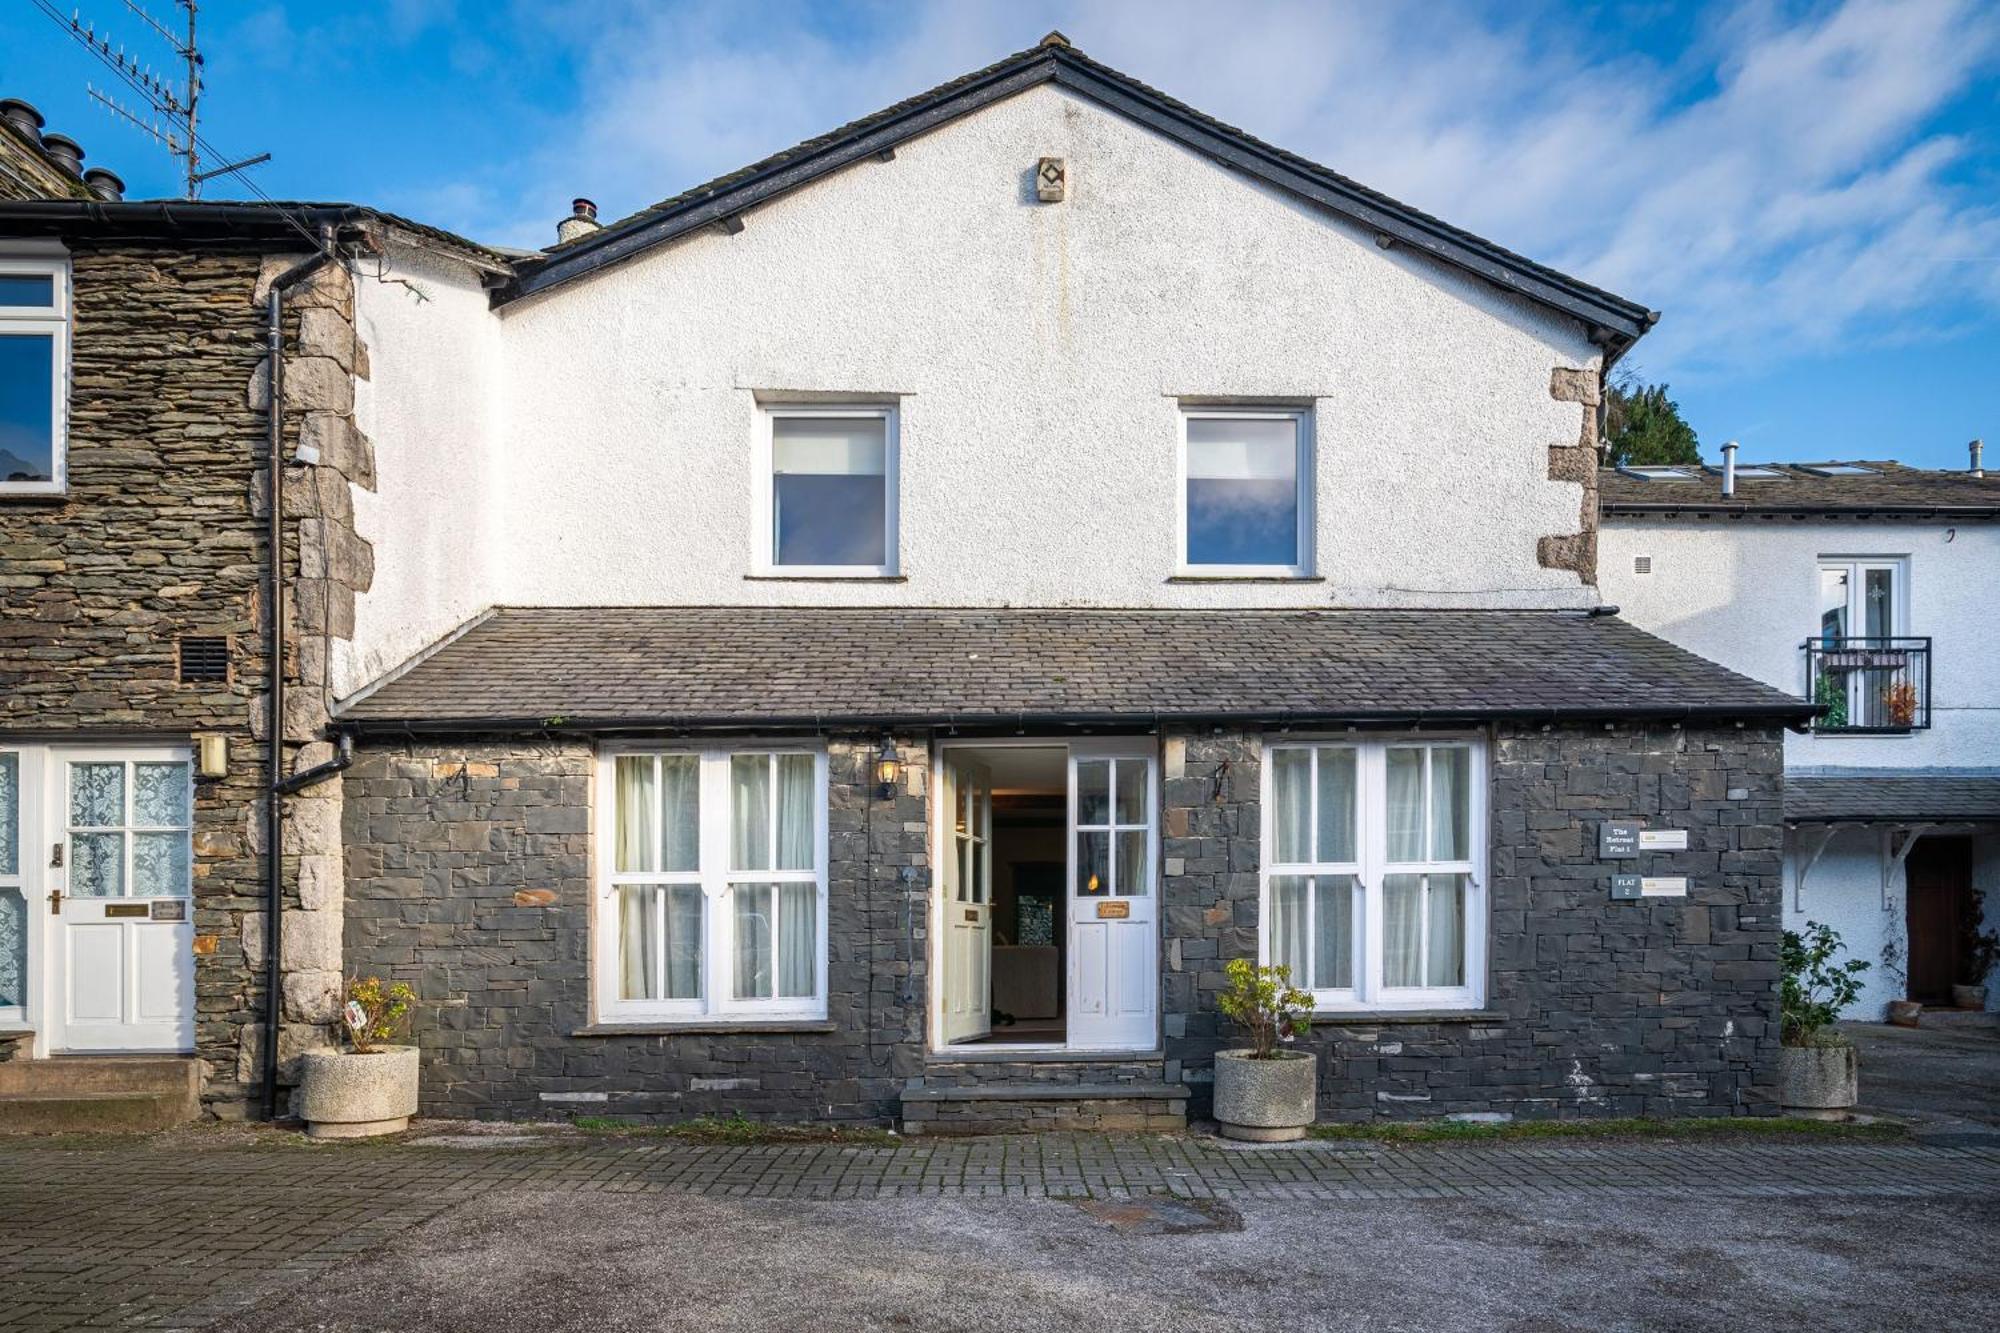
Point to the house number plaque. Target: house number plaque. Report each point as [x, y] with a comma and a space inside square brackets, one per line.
[1113, 911]
[114, 910]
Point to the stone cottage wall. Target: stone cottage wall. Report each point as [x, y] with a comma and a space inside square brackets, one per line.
[1594, 1007]
[469, 875]
[162, 535]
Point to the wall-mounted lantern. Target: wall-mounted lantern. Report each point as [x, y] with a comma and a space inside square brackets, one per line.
[211, 756]
[888, 767]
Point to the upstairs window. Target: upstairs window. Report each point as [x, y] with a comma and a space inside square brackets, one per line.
[830, 491]
[1245, 501]
[34, 375]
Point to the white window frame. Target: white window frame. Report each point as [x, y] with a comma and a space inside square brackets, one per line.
[1857, 567]
[1369, 993]
[718, 1002]
[1303, 479]
[53, 320]
[764, 534]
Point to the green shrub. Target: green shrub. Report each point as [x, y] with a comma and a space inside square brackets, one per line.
[1816, 986]
[1263, 1001]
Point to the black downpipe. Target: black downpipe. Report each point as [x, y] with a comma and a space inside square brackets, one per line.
[274, 585]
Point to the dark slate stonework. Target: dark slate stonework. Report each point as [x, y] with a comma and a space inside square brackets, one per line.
[469, 875]
[1594, 1007]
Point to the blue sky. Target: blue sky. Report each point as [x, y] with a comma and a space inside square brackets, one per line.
[1810, 192]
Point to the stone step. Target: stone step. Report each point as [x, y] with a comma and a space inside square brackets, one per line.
[1959, 1019]
[91, 1112]
[1026, 1108]
[76, 1093]
[980, 1068]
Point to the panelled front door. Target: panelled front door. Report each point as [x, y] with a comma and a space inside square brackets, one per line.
[120, 906]
[968, 900]
[1114, 961]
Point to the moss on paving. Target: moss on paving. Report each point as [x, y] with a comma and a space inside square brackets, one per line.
[739, 1130]
[1715, 1127]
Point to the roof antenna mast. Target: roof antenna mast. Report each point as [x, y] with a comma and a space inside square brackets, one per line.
[171, 109]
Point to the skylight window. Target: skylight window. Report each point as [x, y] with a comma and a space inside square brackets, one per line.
[1837, 469]
[1752, 470]
[1652, 472]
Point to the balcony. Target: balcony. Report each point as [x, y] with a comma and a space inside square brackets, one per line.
[1870, 687]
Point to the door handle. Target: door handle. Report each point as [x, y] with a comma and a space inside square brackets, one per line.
[55, 902]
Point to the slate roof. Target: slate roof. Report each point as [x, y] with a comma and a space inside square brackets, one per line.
[1888, 489]
[290, 220]
[1892, 795]
[606, 668]
[1055, 60]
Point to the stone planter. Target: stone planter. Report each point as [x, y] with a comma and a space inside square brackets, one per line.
[1969, 997]
[1265, 1101]
[343, 1095]
[1818, 1078]
[1905, 1013]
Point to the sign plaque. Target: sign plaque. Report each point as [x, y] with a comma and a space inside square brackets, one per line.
[1113, 910]
[1663, 840]
[1618, 838]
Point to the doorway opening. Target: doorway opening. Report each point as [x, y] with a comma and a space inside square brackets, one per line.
[1940, 908]
[1009, 842]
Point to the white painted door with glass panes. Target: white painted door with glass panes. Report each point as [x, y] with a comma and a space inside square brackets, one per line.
[968, 901]
[1114, 965]
[120, 899]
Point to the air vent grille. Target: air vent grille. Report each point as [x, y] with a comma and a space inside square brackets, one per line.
[1642, 564]
[204, 659]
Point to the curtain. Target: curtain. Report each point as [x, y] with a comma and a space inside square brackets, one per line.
[638, 811]
[1130, 805]
[683, 944]
[10, 814]
[1450, 802]
[1402, 930]
[798, 939]
[1445, 965]
[1132, 880]
[680, 801]
[1333, 937]
[638, 907]
[1093, 791]
[1291, 788]
[1336, 805]
[1288, 926]
[753, 941]
[795, 812]
[750, 812]
[1406, 804]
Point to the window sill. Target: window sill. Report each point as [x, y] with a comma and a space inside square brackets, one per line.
[34, 497]
[1246, 578]
[693, 1027]
[1374, 1017]
[776, 577]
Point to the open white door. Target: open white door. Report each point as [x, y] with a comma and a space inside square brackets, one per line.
[968, 900]
[121, 904]
[1114, 971]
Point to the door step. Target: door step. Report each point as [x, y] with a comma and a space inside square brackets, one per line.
[1961, 1019]
[97, 1093]
[1027, 1108]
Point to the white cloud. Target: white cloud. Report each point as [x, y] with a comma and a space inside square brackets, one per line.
[1781, 185]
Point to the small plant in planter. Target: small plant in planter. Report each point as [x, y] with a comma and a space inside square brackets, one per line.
[1262, 1093]
[1982, 952]
[370, 1088]
[1900, 702]
[1817, 1068]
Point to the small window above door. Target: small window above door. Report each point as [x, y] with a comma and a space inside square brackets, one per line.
[828, 492]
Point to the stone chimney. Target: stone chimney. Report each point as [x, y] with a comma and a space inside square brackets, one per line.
[581, 221]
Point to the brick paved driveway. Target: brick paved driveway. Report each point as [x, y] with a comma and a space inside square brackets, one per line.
[211, 1227]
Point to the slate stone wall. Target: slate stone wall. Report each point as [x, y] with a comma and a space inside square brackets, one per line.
[1594, 1007]
[469, 874]
[161, 535]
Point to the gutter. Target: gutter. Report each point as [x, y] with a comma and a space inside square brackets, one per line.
[1632, 509]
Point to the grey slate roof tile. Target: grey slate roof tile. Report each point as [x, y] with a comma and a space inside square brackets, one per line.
[607, 666]
[1890, 489]
[1892, 795]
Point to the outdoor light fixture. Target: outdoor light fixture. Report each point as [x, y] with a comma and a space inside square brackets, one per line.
[888, 767]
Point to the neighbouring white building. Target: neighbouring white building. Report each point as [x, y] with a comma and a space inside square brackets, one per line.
[1868, 588]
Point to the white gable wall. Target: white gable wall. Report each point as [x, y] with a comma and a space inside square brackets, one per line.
[1038, 351]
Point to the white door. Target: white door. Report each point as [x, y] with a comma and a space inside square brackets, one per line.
[120, 900]
[968, 900]
[1114, 965]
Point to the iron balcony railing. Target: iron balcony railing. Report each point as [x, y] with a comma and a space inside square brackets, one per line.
[1870, 685]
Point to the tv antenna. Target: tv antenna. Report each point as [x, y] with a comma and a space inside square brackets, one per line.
[168, 109]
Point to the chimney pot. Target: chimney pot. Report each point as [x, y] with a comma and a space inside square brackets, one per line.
[105, 184]
[1978, 449]
[1729, 469]
[65, 151]
[582, 221]
[24, 118]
